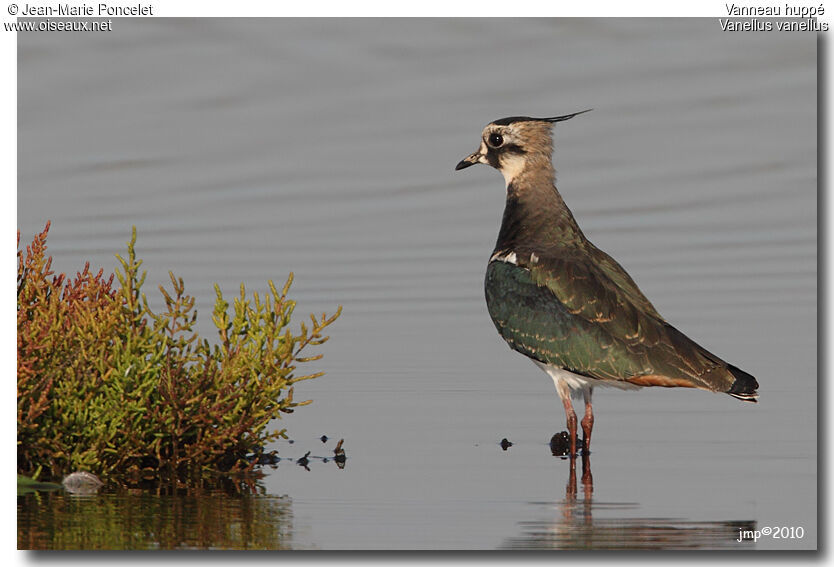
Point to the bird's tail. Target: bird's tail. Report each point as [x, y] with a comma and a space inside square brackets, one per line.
[744, 387]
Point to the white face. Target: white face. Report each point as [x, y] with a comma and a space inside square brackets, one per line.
[482, 153]
[511, 166]
[503, 150]
[511, 148]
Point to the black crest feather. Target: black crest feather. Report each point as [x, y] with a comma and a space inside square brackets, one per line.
[552, 119]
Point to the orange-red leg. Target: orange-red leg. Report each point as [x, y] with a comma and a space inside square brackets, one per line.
[564, 393]
[587, 421]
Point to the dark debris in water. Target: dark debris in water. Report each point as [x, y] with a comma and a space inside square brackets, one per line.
[340, 457]
[272, 459]
[560, 444]
[505, 444]
[339, 452]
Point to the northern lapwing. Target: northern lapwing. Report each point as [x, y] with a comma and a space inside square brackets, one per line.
[567, 305]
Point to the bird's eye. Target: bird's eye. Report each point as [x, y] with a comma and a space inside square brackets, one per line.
[495, 140]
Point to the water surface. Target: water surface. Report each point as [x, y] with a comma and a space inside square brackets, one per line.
[246, 149]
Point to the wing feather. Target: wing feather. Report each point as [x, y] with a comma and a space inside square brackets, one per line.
[590, 318]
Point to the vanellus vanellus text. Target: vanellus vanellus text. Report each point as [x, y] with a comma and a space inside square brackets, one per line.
[567, 305]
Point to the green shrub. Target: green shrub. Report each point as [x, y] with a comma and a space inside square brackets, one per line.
[108, 386]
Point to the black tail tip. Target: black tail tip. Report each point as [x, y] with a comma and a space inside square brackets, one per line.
[745, 386]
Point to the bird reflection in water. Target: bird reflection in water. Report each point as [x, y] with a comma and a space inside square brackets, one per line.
[617, 525]
[587, 483]
[571, 508]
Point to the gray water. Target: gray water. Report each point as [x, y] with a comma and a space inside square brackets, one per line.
[246, 149]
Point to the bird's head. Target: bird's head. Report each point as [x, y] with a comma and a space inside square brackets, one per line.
[514, 144]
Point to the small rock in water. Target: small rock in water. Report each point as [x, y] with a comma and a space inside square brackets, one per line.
[560, 444]
[304, 461]
[82, 482]
[323, 438]
[505, 444]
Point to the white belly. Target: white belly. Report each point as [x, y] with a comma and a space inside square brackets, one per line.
[579, 384]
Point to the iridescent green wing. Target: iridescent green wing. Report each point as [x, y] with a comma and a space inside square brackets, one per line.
[569, 312]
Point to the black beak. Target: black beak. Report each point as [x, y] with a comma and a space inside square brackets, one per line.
[471, 159]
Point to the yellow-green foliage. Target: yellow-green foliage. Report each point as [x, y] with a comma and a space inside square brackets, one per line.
[108, 386]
